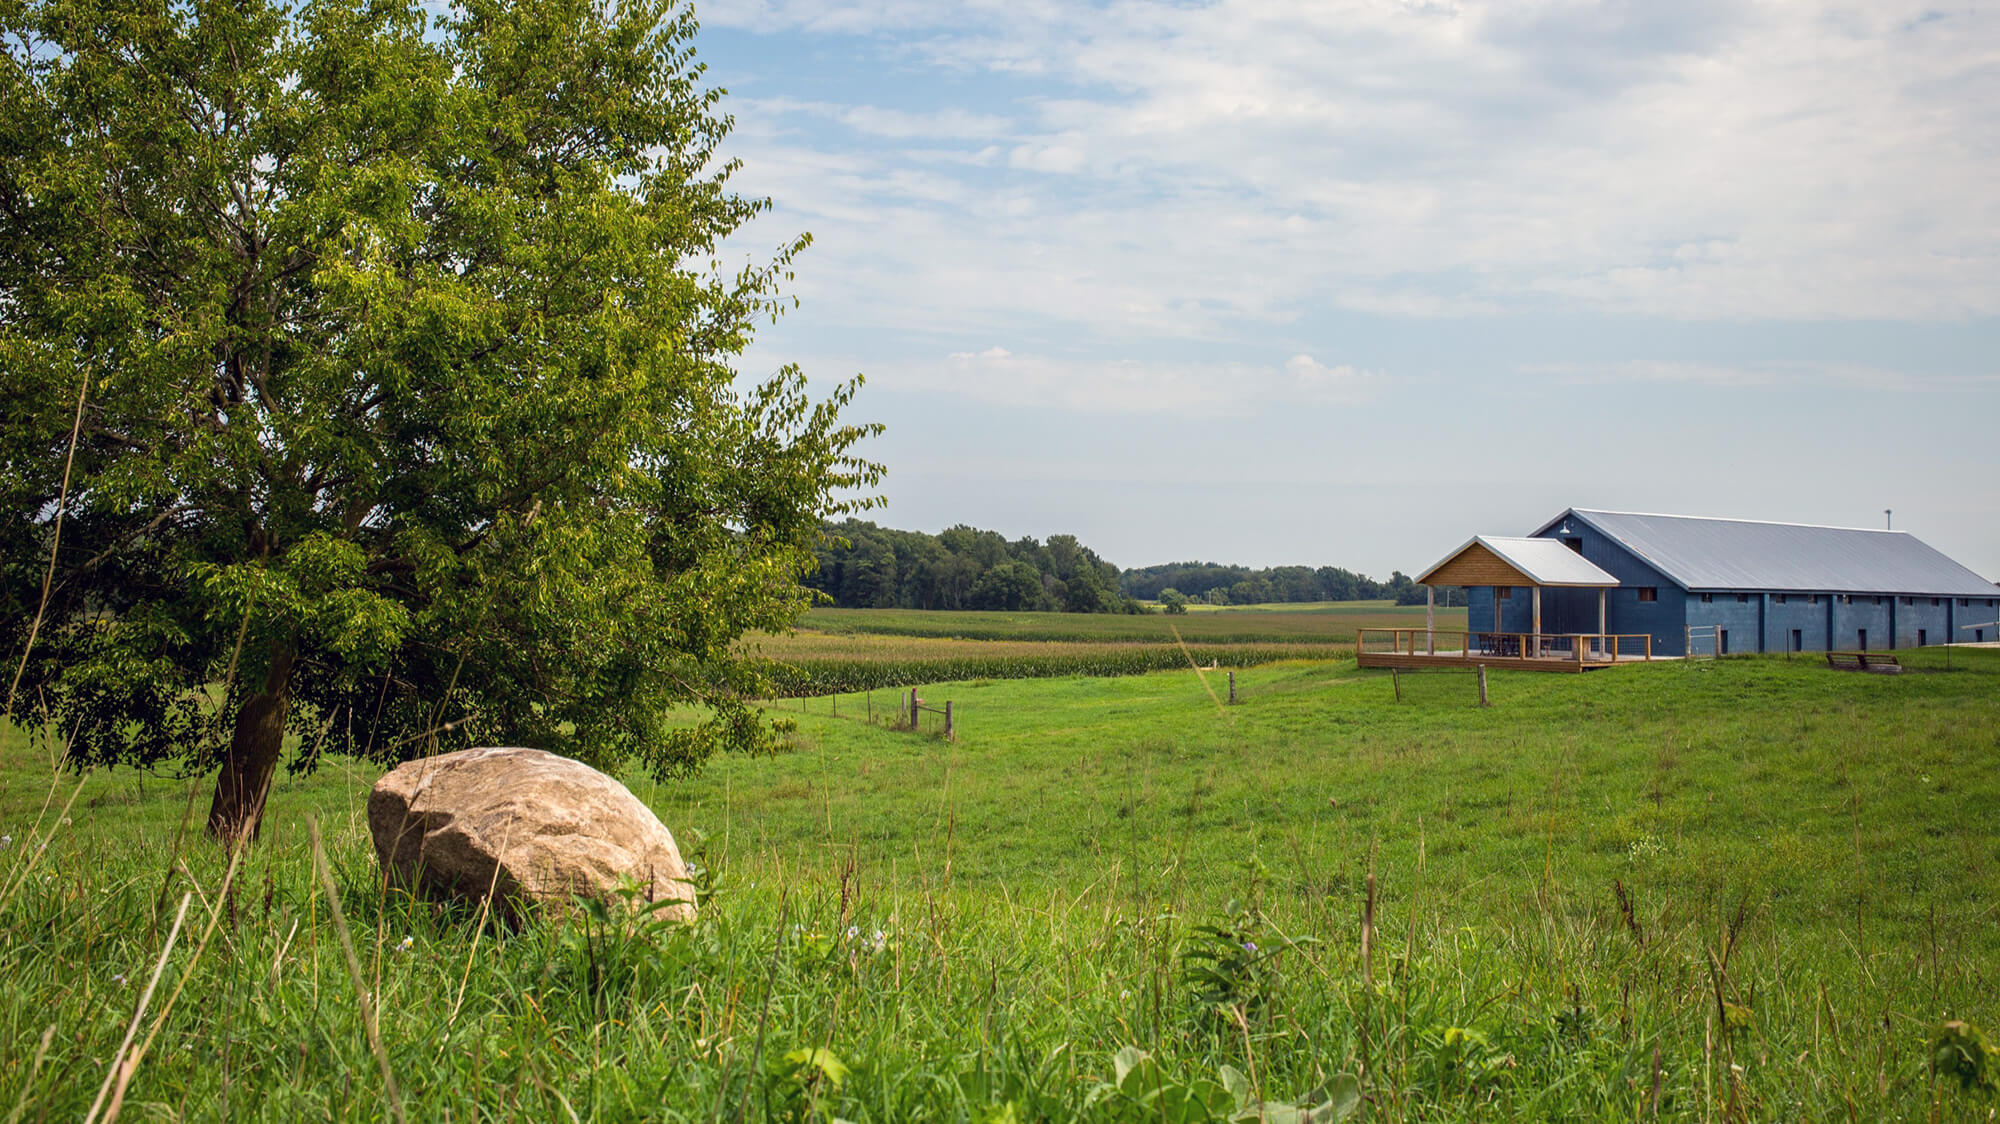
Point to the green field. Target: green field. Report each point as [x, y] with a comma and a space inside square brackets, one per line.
[1752, 889]
[1330, 622]
[836, 650]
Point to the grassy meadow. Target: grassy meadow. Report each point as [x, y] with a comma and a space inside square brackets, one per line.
[1748, 889]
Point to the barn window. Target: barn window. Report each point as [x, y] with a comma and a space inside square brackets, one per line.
[1934, 602]
[1909, 600]
[1707, 597]
[1742, 599]
[1779, 598]
[1574, 544]
[1812, 598]
[1504, 592]
[1649, 593]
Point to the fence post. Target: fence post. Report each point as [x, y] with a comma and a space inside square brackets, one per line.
[915, 705]
[1482, 685]
[947, 720]
[1232, 688]
[1396, 678]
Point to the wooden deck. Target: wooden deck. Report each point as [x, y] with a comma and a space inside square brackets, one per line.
[1416, 648]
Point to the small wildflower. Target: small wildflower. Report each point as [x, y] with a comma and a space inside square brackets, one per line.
[853, 932]
[65, 821]
[119, 979]
[1124, 995]
[406, 944]
[6, 841]
[878, 941]
[1250, 946]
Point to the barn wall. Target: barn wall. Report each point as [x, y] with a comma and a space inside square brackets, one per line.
[1572, 610]
[1624, 612]
[1920, 614]
[1804, 612]
[1854, 614]
[1977, 612]
[1517, 614]
[1743, 619]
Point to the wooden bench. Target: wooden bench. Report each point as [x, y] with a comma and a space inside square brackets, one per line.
[1882, 663]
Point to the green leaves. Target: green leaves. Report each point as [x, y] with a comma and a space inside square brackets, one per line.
[402, 358]
[804, 1082]
[1960, 1051]
[1143, 1092]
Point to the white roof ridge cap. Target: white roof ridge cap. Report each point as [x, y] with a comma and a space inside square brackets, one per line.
[1738, 519]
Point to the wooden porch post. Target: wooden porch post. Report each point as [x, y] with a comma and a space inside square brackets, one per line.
[1600, 618]
[1430, 621]
[1538, 620]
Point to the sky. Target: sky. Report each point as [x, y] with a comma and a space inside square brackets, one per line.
[1345, 282]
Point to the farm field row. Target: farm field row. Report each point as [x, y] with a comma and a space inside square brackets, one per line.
[1740, 889]
[821, 663]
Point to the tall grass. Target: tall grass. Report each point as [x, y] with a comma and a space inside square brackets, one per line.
[1742, 890]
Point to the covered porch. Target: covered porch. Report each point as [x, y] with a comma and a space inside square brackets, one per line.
[1520, 651]
[1506, 565]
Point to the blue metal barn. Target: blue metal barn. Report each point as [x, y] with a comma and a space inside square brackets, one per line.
[1716, 586]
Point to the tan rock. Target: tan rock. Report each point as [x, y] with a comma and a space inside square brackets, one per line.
[525, 823]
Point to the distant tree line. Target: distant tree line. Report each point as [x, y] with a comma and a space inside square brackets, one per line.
[1215, 584]
[863, 566]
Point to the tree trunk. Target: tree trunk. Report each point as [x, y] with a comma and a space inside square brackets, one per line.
[254, 748]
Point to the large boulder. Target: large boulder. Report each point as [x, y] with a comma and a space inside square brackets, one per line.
[525, 824]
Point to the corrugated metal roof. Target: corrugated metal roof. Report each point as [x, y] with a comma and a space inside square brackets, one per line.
[1541, 561]
[1697, 553]
[1547, 561]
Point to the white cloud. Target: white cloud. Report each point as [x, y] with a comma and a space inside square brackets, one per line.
[1190, 169]
[950, 123]
[1662, 371]
[1338, 383]
[1770, 374]
[1000, 376]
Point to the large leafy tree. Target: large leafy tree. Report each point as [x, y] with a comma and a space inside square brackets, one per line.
[401, 377]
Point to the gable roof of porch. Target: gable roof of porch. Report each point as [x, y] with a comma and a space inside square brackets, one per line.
[1501, 561]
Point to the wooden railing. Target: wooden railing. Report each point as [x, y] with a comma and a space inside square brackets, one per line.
[1576, 647]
